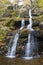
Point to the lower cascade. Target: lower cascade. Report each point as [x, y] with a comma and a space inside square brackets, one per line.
[31, 47]
[12, 49]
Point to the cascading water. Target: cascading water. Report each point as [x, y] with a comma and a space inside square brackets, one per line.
[30, 22]
[12, 51]
[22, 24]
[31, 43]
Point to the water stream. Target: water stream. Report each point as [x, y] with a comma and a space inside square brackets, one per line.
[12, 50]
[31, 48]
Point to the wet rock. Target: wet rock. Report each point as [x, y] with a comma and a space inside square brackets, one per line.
[22, 41]
[26, 23]
[35, 33]
[40, 43]
[40, 46]
[35, 24]
[17, 24]
[41, 25]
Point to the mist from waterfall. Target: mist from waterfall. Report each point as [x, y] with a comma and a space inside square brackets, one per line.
[12, 50]
[31, 43]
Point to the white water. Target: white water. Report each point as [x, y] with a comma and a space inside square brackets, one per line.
[12, 51]
[28, 47]
[30, 21]
[22, 24]
[30, 44]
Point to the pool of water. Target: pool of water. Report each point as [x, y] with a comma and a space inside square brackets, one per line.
[19, 61]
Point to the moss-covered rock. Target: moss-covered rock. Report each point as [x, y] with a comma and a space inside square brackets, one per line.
[24, 33]
[36, 28]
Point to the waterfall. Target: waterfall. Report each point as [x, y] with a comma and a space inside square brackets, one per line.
[12, 50]
[30, 21]
[22, 24]
[30, 46]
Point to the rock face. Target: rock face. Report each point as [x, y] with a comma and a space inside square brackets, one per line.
[40, 44]
[38, 33]
[40, 41]
[39, 36]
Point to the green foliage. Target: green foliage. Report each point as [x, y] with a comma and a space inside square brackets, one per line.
[2, 34]
[3, 1]
[2, 10]
[40, 3]
[10, 23]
